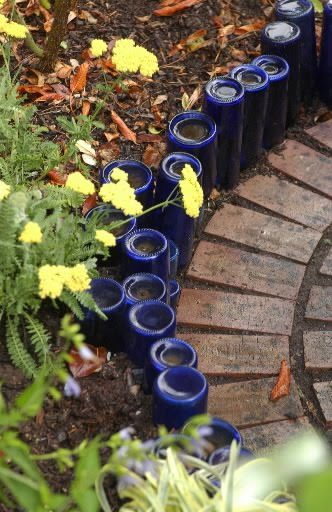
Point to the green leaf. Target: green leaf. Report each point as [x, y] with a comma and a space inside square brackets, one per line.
[86, 472]
[31, 399]
[315, 493]
[318, 5]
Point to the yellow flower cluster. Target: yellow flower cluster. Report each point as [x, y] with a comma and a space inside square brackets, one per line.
[12, 29]
[98, 47]
[76, 181]
[53, 278]
[122, 196]
[31, 233]
[119, 175]
[4, 190]
[192, 193]
[106, 238]
[129, 57]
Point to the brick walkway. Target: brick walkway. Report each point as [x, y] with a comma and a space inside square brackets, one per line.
[248, 305]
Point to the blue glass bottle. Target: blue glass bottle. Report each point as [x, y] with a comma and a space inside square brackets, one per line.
[195, 133]
[174, 293]
[173, 259]
[110, 297]
[105, 214]
[302, 13]
[147, 322]
[276, 116]
[178, 394]
[146, 250]
[167, 353]
[144, 286]
[283, 38]
[325, 63]
[139, 177]
[173, 221]
[224, 102]
[221, 455]
[220, 433]
[256, 85]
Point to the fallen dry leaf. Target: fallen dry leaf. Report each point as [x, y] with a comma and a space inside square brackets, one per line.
[282, 386]
[170, 10]
[325, 116]
[251, 27]
[90, 202]
[149, 137]
[34, 89]
[56, 178]
[193, 98]
[123, 128]
[50, 96]
[153, 154]
[81, 368]
[161, 98]
[78, 81]
[86, 108]
[111, 136]
[62, 70]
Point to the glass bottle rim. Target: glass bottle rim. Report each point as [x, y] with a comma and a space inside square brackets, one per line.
[135, 278]
[192, 114]
[274, 59]
[224, 80]
[135, 309]
[105, 174]
[294, 37]
[291, 14]
[251, 68]
[134, 235]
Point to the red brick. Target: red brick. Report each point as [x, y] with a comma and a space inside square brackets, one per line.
[322, 132]
[220, 264]
[247, 403]
[264, 437]
[306, 165]
[323, 392]
[317, 350]
[234, 355]
[216, 310]
[264, 232]
[326, 268]
[289, 200]
[319, 306]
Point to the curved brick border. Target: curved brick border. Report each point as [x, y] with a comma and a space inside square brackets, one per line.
[257, 256]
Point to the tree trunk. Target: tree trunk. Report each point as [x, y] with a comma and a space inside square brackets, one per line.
[56, 35]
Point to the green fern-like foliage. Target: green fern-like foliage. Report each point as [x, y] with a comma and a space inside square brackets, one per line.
[67, 240]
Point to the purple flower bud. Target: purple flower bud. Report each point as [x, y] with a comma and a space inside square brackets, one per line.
[205, 431]
[72, 388]
[126, 481]
[86, 354]
[127, 433]
[148, 446]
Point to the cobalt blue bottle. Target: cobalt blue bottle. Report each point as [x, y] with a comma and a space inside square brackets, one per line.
[146, 250]
[139, 177]
[167, 353]
[145, 323]
[224, 102]
[174, 293]
[302, 13]
[144, 286]
[283, 38]
[220, 433]
[195, 133]
[256, 85]
[109, 296]
[178, 394]
[325, 63]
[106, 214]
[173, 259]
[173, 221]
[276, 115]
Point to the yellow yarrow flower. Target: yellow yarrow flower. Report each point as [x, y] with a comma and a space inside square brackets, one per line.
[191, 191]
[4, 190]
[98, 47]
[77, 278]
[51, 280]
[119, 175]
[31, 233]
[12, 29]
[122, 196]
[76, 181]
[106, 238]
[127, 57]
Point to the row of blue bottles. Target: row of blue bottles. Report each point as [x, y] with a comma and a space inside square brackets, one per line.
[325, 64]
